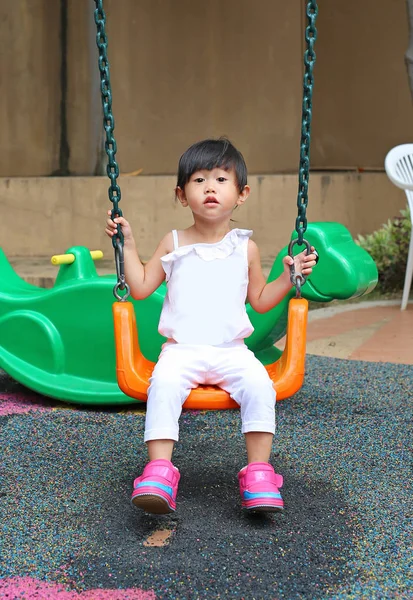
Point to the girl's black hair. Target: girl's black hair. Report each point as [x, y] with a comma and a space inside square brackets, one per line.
[212, 154]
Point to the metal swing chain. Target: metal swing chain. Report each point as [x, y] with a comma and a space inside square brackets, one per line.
[112, 168]
[304, 168]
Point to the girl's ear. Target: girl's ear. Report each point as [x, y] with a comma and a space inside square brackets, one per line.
[180, 194]
[243, 195]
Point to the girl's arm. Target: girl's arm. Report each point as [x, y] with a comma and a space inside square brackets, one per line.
[264, 296]
[143, 280]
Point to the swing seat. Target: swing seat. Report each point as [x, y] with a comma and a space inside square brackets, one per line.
[134, 370]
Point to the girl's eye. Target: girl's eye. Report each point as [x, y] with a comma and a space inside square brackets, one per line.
[199, 180]
[222, 179]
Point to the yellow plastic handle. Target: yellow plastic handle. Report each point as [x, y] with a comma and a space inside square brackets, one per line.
[68, 259]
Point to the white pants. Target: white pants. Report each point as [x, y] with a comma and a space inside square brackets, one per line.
[232, 367]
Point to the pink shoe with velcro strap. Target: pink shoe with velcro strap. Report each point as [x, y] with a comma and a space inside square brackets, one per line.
[259, 488]
[155, 490]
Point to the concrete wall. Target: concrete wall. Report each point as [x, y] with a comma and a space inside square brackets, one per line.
[45, 216]
[30, 87]
[193, 69]
[362, 102]
[182, 70]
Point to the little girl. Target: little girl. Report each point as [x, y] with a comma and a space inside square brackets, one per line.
[210, 270]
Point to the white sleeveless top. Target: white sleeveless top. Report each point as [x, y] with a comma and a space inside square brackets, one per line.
[207, 288]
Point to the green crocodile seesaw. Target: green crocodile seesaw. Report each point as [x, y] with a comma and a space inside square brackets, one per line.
[60, 341]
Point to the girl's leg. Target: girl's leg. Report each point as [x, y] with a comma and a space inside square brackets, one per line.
[179, 369]
[160, 449]
[258, 445]
[246, 379]
[242, 375]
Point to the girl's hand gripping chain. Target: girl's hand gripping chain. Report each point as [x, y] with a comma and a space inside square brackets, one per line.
[303, 262]
[111, 228]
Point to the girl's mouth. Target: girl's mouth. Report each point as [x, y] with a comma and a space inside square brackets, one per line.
[211, 200]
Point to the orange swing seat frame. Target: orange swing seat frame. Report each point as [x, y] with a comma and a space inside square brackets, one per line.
[134, 370]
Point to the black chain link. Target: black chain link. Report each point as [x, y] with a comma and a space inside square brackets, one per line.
[304, 168]
[112, 168]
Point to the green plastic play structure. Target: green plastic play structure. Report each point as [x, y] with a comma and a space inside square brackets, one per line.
[60, 342]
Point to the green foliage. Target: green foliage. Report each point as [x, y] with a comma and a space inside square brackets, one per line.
[389, 246]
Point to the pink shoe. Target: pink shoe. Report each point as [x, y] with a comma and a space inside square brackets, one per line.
[258, 486]
[155, 490]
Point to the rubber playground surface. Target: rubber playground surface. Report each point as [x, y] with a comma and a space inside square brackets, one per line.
[343, 444]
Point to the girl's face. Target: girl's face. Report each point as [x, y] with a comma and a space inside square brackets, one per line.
[212, 195]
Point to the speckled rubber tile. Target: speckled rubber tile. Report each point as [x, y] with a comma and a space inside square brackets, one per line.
[343, 444]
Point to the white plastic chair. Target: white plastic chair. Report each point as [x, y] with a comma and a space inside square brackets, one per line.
[399, 168]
